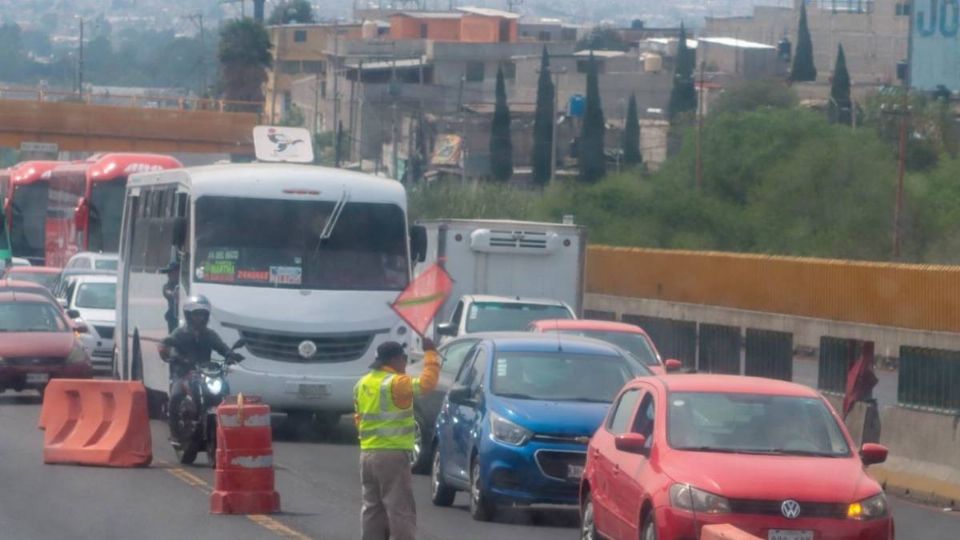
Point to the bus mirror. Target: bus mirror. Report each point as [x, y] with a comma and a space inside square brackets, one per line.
[180, 231]
[418, 243]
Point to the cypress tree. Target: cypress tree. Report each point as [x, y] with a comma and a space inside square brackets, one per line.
[683, 95]
[501, 147]
[803, 68]
[840, 104]
[543, 123]
[593, 164]
[631, 135]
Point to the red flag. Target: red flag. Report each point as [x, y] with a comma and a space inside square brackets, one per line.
[860, 379]
[420, 301]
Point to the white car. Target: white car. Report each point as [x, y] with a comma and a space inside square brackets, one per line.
[88, 260]
[483, 313]
[19, 261]
[92, 299]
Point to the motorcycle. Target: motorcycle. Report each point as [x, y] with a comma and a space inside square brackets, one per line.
[196, 415]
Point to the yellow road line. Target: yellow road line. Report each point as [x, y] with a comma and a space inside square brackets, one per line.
[262, 520]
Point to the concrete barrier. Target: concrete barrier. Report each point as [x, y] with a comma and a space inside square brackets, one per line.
[725, 532]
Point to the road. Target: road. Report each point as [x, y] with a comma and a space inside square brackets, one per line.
[317, 480]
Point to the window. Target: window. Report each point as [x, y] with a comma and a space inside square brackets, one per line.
[31, 317]
[97, 296]
[904, 9]
[559, 376]
[290, 67]
[568, 34]
[475, 71]
[645, 420]
[511, 316]
[424, 30]
[509, 70]
[623, 412]
[312, 66]
[457, 315]
[636, 344]
[299, 36]
[544, 35]
[454, 355]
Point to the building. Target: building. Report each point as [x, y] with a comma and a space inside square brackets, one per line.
[548, 30]
[743, 59]
[465, 25]
[874, 33]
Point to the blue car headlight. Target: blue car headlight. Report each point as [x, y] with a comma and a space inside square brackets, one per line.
[505, 431]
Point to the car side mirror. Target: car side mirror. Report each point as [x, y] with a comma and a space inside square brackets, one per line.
[633, 443]
[673, 365]
[81, 328]
[447, 329]
[873, 454]
[418, 243]
[73, 314]
[460, 395]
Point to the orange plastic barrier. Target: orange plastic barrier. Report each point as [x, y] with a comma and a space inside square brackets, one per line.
[725, 532]
[91, 422]
[244, 480]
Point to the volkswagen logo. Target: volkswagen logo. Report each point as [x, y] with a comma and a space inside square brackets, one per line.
[307, 349]
[790, 509]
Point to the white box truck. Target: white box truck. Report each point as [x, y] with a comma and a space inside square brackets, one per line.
[505, 258]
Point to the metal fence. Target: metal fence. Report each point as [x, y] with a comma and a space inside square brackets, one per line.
[674, 339]
[836, 357]
[719, 349]
[599, 315]
[929, 379]
[769, 354]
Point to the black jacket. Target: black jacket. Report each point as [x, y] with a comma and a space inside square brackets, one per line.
[192, 349]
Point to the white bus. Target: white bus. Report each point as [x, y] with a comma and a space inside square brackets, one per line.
[301, 262]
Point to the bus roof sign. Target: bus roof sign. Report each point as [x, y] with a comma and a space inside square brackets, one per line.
[283, 144]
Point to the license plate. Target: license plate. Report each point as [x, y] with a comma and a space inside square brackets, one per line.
[35, 378]
[574, 472]
[313, 391]
[781, 534]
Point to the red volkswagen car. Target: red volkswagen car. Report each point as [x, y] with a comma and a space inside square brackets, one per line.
[772, 458]
[628, 337]
[37, 343]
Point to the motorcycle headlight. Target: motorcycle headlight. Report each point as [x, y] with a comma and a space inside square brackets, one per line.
[507, 432]
[213, 385]
[77, 355]
[867, 509]
[687, 497]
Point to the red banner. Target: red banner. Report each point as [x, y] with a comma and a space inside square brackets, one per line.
[420, 301]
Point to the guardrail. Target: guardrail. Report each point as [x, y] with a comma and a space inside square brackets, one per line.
[929, 379]
[147, 101]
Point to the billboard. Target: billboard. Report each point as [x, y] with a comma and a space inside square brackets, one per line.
[935, 44]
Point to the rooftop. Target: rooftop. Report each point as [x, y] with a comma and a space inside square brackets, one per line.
[739, 43]
[601, 53]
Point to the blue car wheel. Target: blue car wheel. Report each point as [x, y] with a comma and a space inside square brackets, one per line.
[481, 507]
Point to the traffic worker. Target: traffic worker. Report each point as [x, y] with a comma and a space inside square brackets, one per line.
[384, 414]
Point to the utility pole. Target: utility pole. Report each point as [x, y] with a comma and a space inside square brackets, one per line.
[336, 90]
[80, 64]
[556, 72]
[901, 170]
[281, 36]
[463, 132]
[198, 18]
[394, 93]
[353, 110]
[700, 99]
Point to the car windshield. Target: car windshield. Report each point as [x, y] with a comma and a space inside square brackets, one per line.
[96, 296]
[105, 264]
[748, 423]
[30, 317]
[29, 216]
[277, 243]
[48, 280]
[509, 316]
[560, 376]
[106, 214]
[636, 344]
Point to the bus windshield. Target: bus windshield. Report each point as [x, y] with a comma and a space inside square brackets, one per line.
[29, 214]
[106, 213]
[277, 243]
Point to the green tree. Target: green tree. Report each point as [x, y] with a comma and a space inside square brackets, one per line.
[593, 164]
[803, 68]
[603, 38]
[543, 120]
[501, 147]
[292, 11]
[841, 107]
[683, 95]
[244, 58]
[744, 96]
[631, 135]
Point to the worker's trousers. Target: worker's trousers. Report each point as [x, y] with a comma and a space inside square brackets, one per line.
[389, 511]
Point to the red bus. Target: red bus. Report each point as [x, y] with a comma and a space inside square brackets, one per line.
[85, 202]
[25, 208]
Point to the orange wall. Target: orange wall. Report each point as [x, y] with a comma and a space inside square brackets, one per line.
[885, 294]
[480, 29]
[406, 27]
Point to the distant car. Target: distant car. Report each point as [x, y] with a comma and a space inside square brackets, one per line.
[770, 457]
[37, 343]
[87, 260]
[483, 313]
[70, 276]
[628, 337]
[19, 261]
[514, 426]
[93, 299]
[14, 285]
[42, 275]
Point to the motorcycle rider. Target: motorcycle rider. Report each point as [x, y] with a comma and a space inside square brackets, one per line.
[188, 347]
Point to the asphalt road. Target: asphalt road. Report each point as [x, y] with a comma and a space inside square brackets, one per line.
[317, 479]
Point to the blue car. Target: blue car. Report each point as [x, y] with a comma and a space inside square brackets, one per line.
[514, 427]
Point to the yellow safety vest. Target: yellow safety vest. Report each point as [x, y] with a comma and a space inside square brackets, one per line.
[383, 425]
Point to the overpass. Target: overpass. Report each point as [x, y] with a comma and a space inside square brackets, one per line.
[133, 125]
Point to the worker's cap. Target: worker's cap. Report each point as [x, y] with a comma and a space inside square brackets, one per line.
[388, 350]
